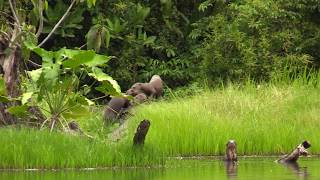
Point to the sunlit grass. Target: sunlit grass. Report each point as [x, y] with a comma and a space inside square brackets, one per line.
[27, 148]
[265, 119]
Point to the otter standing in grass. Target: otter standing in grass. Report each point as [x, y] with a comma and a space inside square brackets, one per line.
[153, 89]
[157, 83]
[140, 98]
[145, 88]
[115, 108]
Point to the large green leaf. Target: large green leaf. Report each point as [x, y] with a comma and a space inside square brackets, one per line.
[46, 55]
[98, 60]
[4, 99]
[77, 106]
[35, 74]
[25, 97]
[109, 85]
[51, 74]
[108, 89]
[77, 58]
[75, 112]
[19, 111]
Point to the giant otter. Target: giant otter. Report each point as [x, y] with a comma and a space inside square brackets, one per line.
[145, 88]
[231, 151]
[140, 98]
[115, 108]
[157, 83]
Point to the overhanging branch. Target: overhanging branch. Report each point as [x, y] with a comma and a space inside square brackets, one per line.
[58, 24]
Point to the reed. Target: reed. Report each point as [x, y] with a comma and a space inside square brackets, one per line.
[265, 119]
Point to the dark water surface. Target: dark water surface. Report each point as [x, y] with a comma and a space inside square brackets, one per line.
[249, 168]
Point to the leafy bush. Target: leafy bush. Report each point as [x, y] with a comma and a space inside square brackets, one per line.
[256, 39]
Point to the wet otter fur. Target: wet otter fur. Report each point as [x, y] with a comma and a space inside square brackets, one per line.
[231, 151]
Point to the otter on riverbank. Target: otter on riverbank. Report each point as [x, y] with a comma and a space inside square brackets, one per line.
[231, 151]
[140, 98]
[115, 108]
[301, 149]
[157, 83]
[153, 89]
[145, 88]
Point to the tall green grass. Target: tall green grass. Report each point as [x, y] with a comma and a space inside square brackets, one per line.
[27, 148]
[265, 119]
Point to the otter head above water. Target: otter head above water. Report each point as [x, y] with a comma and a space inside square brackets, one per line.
[231, 151]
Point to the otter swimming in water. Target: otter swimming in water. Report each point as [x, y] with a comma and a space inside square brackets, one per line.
[231, 151]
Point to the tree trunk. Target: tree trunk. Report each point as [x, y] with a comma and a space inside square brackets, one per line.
[10, 66]
[140, 135]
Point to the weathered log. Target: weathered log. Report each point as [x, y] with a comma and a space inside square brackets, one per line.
[231, 151]
[141, 133]
[301, 149]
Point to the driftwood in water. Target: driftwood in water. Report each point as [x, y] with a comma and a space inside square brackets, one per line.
[301, 149]
[231, 151]
[141, 132]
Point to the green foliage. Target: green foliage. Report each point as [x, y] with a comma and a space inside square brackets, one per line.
[72, 22]
[54, 84]
[257, 39]
[254, 115]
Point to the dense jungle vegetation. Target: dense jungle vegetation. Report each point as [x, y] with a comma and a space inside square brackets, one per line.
[61, 59]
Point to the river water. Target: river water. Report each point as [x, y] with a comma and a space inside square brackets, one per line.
[247, 168]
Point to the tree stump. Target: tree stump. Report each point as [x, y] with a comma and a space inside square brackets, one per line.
[301, 149]
[140, 135]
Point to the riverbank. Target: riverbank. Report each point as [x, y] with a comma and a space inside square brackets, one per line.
[265, 119]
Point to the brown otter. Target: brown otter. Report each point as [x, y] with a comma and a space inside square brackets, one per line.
[140, 98]
[231, 151]
[301, 149]
[157, 83]
[115, 108]
[145, 88]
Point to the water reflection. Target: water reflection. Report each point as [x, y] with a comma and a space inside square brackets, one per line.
[301, 172]
[248, 168]
[231, 169]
